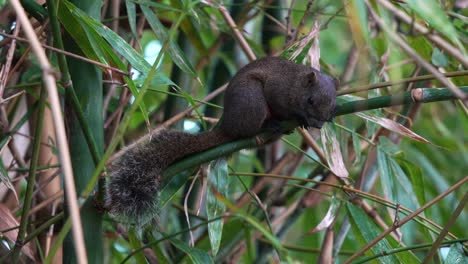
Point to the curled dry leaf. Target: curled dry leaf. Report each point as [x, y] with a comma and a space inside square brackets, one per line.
[313, 53]
[332, 152]
[394, 126]
[9, 222]
[328, 219]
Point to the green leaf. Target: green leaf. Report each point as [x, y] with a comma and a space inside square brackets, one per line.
[170, 187]
[332, 151]
[456, 255]
[433, 14]
[158, 79]
[196, 255]
[131, 12]
[135, 243]
[218, 179]
[416, 177]
[366, 230]
[438, 58]
[88, 34]
[117, 43]
[386, 175]
[4, 178]
[159, 6]
[360, 16]
[275, 242]
[177, 55]
[357, 147]
[75, 28]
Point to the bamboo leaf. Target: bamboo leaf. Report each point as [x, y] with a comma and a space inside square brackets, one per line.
[218, 180]
[393, 126]
[5, 179]
[357, 147]
[329, 217]
[331, 149]
[120, 45]
[456, 255]
[438, 58]
[135, 243]
[366, 230]
[417, 180]
[131, 12]
[90, 37]
[174, 50]
[170, 187]
[386, 175]
[196, 255]
[433, 14]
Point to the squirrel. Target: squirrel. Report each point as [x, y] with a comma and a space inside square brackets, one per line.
[259, 96]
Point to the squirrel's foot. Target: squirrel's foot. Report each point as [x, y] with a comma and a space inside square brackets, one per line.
[259, 140]
[262, 140]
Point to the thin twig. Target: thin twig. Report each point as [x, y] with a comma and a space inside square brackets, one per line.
[49, 82]
[438, 40]
[73, 55]
[412, 53]
[311, 142]
[406, 219]
[6, 67]
[304, 16]
[397, 82]
[237, 34]
[444, 232]
[289, 38]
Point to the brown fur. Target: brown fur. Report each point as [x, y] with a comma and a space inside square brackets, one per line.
[260, 95]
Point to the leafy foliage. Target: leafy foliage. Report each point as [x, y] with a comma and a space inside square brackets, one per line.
[386, 155]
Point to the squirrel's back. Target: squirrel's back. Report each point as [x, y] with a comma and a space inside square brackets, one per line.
[260, 94]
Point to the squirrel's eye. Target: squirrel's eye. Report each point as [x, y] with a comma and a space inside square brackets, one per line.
[310, 100]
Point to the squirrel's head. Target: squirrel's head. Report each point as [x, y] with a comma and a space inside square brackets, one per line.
[318, 101]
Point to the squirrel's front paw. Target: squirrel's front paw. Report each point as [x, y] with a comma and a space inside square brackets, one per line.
[259, 140]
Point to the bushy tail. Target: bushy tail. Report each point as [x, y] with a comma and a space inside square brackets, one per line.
[133, 189]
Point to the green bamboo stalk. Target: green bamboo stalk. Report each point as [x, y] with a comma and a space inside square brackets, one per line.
[31, 178]
[86, 126]
[33, 234]
[427, 95]
[120, 132]
[60, 237]
[67, 83]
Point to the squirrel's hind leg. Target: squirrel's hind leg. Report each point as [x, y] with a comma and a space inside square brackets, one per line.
[245, 109]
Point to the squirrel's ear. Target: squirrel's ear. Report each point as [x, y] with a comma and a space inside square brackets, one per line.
[337, 83]
[312, 77]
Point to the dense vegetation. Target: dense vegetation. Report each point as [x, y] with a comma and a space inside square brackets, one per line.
[386, 181]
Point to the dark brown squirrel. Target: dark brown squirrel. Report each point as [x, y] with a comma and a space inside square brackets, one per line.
[260, 95]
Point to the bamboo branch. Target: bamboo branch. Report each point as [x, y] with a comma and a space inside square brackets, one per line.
[438, 40]
[406, 219]
[49, 82]
[412, 53]
[31, 179]
[421, 95]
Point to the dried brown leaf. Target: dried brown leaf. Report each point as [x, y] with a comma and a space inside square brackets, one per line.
[394, 126]
[9, 222]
